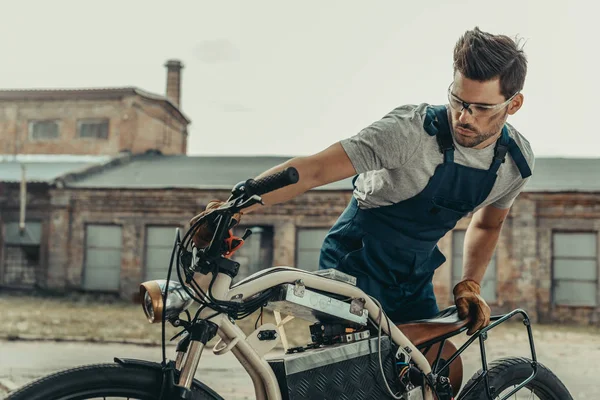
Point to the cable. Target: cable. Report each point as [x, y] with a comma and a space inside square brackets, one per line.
[235, 310]
[258, 318]
[163, 334]
[379, 347]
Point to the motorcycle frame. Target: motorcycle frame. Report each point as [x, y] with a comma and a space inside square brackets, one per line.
[265, 383]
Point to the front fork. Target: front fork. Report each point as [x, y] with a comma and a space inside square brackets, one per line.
[200, 334]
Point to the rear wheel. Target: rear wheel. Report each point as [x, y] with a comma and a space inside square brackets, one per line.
[103, 381]
[507, 373]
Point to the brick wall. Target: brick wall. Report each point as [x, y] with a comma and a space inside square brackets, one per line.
[135, 209]
[157, 129]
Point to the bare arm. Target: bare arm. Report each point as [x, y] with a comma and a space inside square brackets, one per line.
[481, 239]
[329, 165]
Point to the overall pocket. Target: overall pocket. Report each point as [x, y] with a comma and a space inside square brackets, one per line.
[450, 209]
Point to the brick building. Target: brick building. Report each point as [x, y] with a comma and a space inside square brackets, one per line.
[111, 225]
[102, 217]
[94, 121]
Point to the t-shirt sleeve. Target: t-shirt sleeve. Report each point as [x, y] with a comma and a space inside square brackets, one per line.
[509, 198]
[389, 142]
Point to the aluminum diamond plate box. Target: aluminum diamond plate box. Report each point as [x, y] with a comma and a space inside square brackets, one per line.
[337, 275]
[343, 371]
[311, 306]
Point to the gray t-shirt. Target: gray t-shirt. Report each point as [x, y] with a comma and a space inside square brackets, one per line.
[395, 158]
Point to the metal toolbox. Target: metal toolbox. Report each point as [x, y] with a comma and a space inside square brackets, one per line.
[341, 371]
[296, 300]
[337, 275]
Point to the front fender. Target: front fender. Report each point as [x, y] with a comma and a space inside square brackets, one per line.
[176, 390]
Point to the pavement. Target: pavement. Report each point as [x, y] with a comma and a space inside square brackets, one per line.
[572, 355]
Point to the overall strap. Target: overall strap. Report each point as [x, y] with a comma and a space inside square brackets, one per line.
[519, 159]
[436, 124]
[500, 151]
[507, 144]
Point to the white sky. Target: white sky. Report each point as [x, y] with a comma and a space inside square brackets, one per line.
[290, 78]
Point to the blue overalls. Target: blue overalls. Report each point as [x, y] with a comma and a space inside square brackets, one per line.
[392, 250]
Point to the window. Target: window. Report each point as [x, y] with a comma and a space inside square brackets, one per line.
[102, 270]
[256, 253]
[92, 128]
[575, 269]
[159, 245]
[43, 130]
[488, 284]
[308, 248]
[21, 253]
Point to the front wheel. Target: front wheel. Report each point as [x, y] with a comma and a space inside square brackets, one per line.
[113, 381]
[507, 373]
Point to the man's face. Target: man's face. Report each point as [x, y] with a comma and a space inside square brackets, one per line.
[481, 126]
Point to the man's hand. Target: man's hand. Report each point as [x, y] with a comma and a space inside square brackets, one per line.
[469, 303]
[206, 230]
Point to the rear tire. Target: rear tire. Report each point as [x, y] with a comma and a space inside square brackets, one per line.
[103, 380]
[506, 373]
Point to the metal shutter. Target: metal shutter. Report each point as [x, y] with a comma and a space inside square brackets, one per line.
[103, 247]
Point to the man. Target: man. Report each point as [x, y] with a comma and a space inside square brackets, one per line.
[418, 171]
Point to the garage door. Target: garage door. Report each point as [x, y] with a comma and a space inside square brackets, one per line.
[575, 269]
[159, 245]
[103, 244]
[308, 248]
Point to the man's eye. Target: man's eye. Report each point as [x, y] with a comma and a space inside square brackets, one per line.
[481, 109]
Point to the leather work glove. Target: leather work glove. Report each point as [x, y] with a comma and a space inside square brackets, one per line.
[206, 230]
[470, 304]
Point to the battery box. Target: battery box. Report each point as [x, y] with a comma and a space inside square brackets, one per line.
[342, 371]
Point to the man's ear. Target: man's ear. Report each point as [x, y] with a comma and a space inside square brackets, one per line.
[515, 104]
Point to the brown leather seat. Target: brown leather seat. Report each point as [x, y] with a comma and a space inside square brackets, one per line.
[424, 330]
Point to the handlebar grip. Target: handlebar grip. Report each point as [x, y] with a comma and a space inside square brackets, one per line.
[273, 182]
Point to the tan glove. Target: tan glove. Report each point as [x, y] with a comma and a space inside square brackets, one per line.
[206, 230]
[470, 304]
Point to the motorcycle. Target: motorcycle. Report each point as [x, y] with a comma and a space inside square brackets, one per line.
[356, 352]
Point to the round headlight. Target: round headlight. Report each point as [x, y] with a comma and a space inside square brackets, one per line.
[152, 300]
[151, 293]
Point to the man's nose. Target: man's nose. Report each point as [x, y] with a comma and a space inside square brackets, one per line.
[465, 116]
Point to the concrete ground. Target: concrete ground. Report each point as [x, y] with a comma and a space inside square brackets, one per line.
[572, 353]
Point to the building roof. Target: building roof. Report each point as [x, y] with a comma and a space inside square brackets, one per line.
[199, 172]
[44, 168]
[153, 171]
[105, 93]
[565, 175]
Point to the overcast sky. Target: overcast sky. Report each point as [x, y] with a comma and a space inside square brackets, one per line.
[288, 78]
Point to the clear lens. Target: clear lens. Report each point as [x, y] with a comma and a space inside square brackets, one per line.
[148, 308]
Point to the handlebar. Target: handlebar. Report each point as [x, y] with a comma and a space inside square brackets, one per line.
[244, 195]
[272, 182]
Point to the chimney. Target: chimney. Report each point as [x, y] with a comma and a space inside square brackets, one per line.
[174, 81]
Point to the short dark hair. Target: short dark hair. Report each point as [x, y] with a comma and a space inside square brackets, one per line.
[482, 56]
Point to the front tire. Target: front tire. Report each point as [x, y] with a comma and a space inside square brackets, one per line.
[506, 373]
[103, 380]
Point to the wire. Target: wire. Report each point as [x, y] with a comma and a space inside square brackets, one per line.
[395, 396]
[258, 318]
[163, 333]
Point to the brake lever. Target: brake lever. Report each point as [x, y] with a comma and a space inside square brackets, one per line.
[249, 202]
[239, 203]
